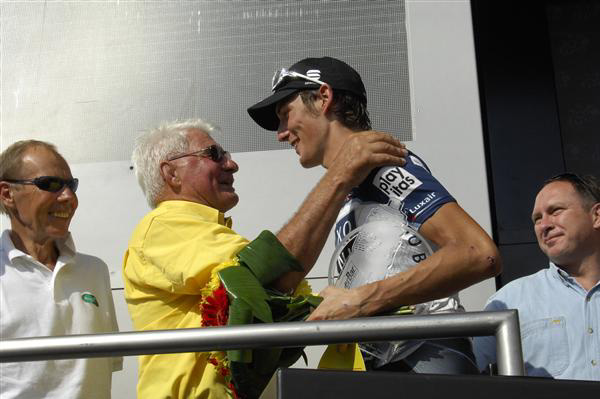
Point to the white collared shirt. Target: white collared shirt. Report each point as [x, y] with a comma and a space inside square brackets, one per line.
[74, 298]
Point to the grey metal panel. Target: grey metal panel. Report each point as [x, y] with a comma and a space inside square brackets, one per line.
[89, 76]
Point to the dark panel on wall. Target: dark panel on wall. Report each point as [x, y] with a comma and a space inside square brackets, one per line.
[574, 30]
[538, 66]
[519, 109]
[520, 260]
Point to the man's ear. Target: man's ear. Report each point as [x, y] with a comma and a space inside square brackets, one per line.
[326, 95]
[170, 176]
[6, 195]
[596, 215]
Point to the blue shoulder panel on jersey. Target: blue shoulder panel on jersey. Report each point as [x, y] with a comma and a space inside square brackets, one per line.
[411, 189]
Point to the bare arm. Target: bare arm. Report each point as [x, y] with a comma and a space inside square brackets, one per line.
[306, 232]
[466, 256]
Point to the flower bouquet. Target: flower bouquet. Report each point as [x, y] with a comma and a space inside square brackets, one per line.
[237, 294]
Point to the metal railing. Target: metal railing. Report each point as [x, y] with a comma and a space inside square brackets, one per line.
[503, 324]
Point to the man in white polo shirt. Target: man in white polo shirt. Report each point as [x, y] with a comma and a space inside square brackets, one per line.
[46, 287]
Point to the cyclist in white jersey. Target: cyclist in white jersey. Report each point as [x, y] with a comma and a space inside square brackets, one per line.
[316, 105]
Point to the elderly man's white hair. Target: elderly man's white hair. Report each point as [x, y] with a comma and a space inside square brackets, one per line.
[157, 145]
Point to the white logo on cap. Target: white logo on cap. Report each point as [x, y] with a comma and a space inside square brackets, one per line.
[314, 73]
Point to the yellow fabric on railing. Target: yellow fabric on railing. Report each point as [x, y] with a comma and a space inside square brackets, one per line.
[342, 357]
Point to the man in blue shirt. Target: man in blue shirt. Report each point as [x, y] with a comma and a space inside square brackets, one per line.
[559, 307]
[319, 105]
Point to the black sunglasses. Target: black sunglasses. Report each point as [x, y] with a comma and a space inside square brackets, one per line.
[214, 152]
[52, 184]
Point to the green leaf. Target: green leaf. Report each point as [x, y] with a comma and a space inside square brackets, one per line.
[304, 357]
[267, 258]
[402, 310]
[314, 300]
[265, 361]
[295, 315]
[241, 284]
[289, 356]
[247, 381]
[239, 314]
[251, 370]
[240, 355]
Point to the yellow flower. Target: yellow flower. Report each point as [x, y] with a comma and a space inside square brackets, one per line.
[215, 281]
[303, 289]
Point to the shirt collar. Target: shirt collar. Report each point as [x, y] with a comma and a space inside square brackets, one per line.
[206, 212]
[565, 278]
[560, 273]
[65, 246]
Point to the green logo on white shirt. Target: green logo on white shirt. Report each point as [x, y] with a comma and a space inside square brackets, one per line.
[89, 298]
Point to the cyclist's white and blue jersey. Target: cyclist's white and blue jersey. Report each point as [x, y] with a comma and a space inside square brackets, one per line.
[410, 189]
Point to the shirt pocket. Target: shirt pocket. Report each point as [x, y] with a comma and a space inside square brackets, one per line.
[545, 346]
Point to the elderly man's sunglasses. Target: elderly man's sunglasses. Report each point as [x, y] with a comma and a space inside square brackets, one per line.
[52, 184]
[214, 152]
[284, 75]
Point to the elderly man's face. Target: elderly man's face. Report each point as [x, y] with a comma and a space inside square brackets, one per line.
[204, 180]
[563, 225]
[42, 215]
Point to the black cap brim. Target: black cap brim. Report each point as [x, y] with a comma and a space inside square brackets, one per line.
[264, 113]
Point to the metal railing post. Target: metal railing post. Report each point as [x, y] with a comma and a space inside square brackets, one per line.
[509, 353]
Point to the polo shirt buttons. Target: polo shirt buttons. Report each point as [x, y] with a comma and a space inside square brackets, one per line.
[591, 330]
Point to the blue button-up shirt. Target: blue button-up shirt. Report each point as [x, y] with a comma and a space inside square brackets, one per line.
[559, 325]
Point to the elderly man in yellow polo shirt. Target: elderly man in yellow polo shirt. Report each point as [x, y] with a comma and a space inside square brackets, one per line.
[187, 179]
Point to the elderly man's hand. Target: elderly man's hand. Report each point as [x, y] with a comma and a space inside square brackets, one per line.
[364, 151]
[338, 304]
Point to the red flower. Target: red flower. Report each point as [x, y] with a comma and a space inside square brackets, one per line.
[233, 391]
[213, 361]
[215, 310]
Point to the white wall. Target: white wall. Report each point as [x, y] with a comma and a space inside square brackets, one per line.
[445, 103]
[271, 184]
